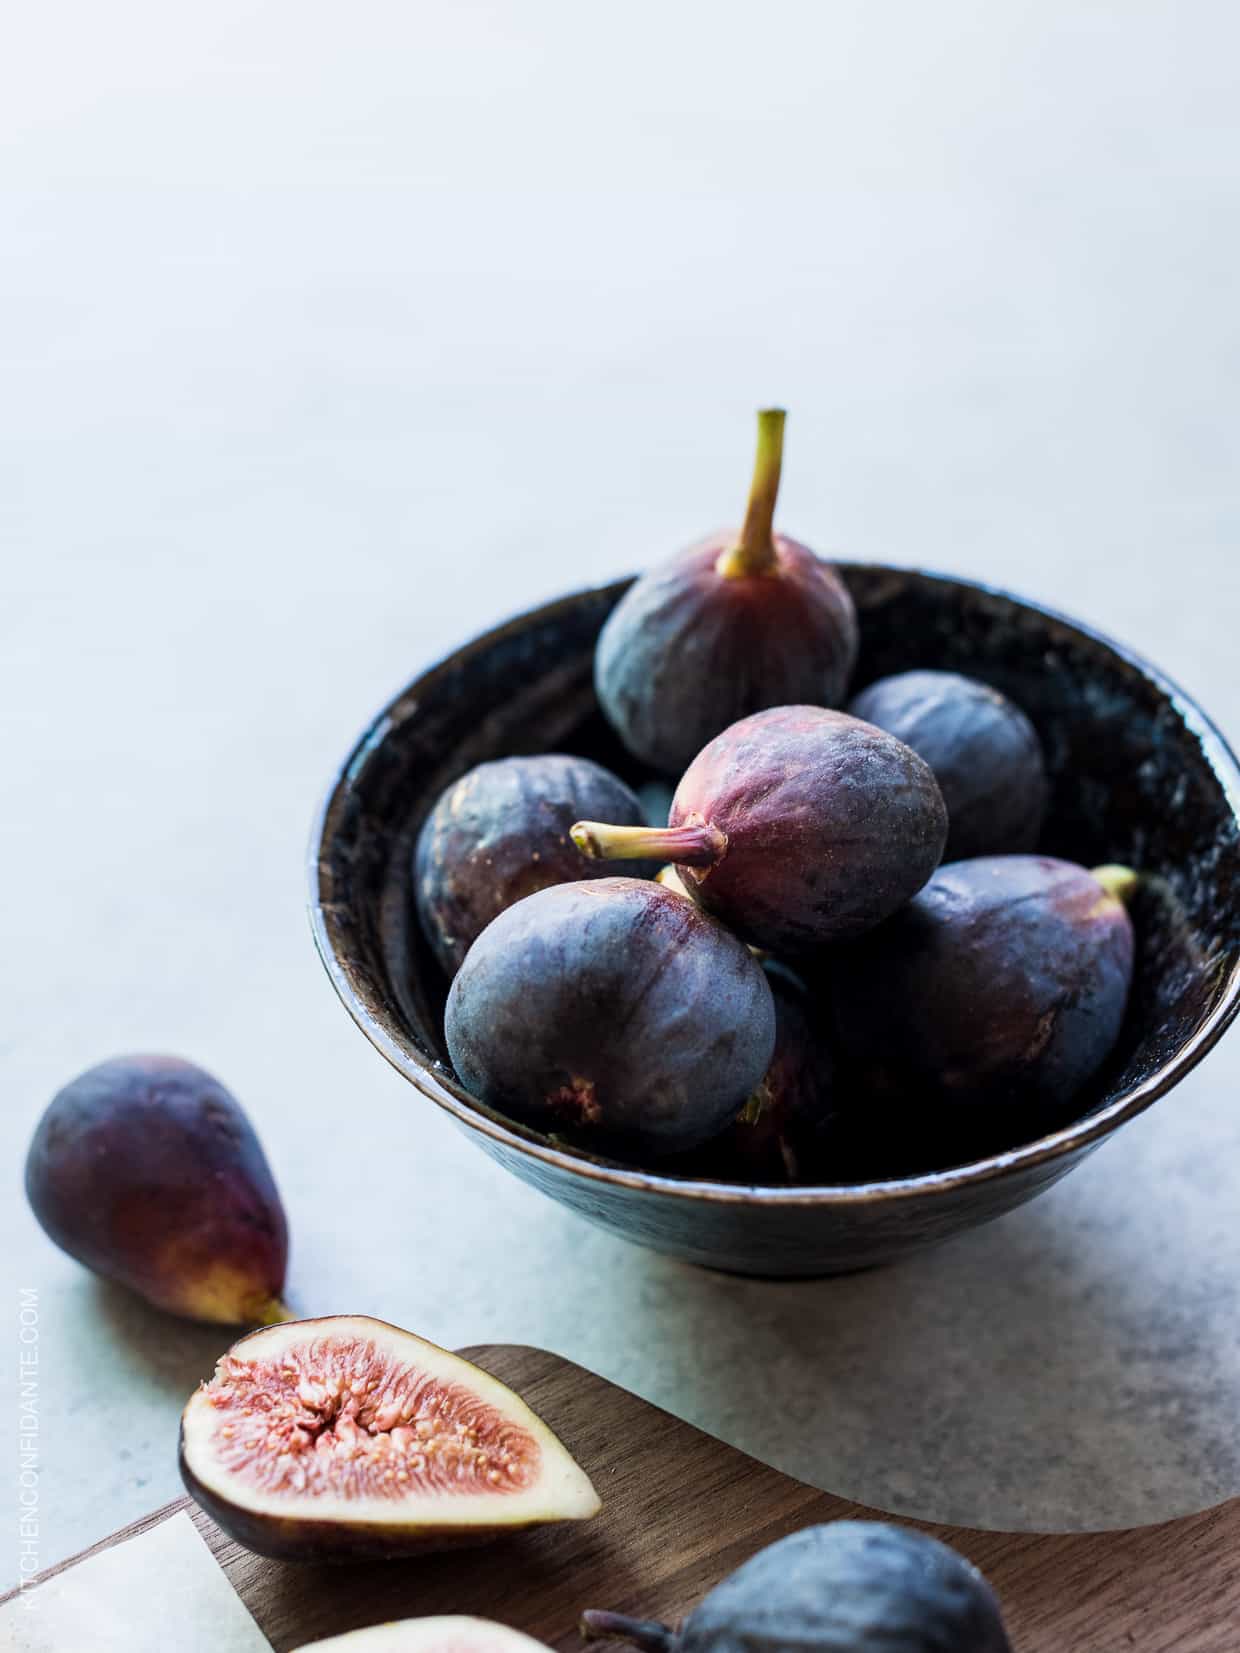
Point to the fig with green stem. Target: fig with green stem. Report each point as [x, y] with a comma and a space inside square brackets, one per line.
[1002, 984]
[798, 827]
[738, 623]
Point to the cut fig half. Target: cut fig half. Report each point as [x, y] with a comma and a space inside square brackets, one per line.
[447, 1634]
[346, 1437]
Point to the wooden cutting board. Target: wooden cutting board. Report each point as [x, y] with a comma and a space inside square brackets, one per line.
[680, 1510]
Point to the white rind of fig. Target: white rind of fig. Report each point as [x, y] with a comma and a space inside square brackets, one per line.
[348, 1437]
[447, 1634]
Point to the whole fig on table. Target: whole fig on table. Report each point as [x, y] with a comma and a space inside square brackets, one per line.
[348, 1438]
[798, 827]
[449, 1633]
[1003, 981]
[846, 1587]
[738, 623]
[984, 751]
[146, 1169]
[613, 1010]
[500, 833]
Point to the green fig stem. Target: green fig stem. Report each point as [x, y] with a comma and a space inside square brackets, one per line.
[755, 1106]
[1119, 881]
[696, 843]
[754, 551]
[647, 1634]
[271, 1312]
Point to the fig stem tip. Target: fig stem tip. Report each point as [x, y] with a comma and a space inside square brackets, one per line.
[646, 1634]
[694, 843]
[273, 1312]
[1117, 880]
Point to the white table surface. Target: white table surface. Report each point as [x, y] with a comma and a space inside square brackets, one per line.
[332, 335]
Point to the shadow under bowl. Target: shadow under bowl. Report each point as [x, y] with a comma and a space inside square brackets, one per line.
[1138, 773]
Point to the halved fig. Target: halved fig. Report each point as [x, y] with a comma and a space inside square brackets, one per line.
[346, 1437]
[450, 1633]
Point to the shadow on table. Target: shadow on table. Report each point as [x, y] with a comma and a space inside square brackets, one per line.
[175, 1355]
[1057, 1370]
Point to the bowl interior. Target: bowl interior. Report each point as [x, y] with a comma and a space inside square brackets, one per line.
[1138, 775]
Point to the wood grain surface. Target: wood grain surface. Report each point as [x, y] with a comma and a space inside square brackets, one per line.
[680, 1510]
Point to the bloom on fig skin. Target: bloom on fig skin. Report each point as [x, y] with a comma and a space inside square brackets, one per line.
[984, 751]
[799, 827]
[843, 1587]
[146, 1170]
[1003, 982]
[613, 1011]
[500, 833]
[731, 626]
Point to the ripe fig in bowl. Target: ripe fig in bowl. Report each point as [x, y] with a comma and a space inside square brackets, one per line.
[347, 1438]
[1004, 981]
[798, 827]
[738, 623]
[612, 1011]
[843, 1587]
[984, 751]
[500, 833]
[146, 1170]
[445, 1633]
[1120, 742]
[792, 1127]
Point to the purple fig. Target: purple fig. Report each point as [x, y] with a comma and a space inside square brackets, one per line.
[615, 1012]
[1004, 981]
[145, 1169]
[798, 827]
[734, 625]
[790, 1125]
[845, 1587]
[500, 833]
[984, 751]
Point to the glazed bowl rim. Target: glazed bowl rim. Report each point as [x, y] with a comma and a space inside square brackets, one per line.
[455, 1101]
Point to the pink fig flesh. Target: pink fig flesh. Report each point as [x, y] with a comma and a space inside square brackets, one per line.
[450, 1633]
[346, 1437]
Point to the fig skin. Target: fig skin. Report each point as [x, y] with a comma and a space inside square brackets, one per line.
[729, 627]
[1004, 982]
[838, 1588]
[612, 1011]
[789, 1127]
[984, 751]
[798, 827]
[338, 1522]
[500, 833]
[146, 1170]
[447, 1633]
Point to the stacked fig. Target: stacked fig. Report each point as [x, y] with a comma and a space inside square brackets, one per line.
[855, 961]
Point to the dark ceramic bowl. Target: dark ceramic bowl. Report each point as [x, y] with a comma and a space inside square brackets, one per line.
[1139, 775]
